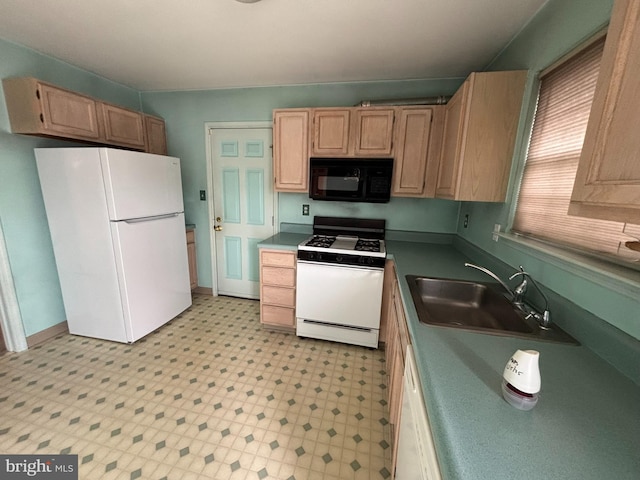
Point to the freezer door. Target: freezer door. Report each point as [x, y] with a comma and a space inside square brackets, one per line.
[139, 185]
[151, 261]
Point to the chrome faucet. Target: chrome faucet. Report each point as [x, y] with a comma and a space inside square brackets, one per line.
[517, 294]
[545, 319]
[495, 277]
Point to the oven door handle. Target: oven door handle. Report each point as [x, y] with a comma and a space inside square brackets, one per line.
[340, 265]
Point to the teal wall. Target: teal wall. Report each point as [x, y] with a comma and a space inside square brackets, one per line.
[560, 26]
[186, 113]
[408, 214]
[22, 212]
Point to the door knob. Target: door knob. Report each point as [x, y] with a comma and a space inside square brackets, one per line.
[218, 228]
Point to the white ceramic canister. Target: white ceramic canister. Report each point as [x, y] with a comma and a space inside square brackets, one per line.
[521, 379]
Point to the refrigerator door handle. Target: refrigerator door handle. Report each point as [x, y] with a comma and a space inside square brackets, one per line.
[151, 219]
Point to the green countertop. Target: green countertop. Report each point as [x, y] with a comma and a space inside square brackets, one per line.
[586, 424]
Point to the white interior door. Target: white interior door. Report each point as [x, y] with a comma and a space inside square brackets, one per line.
[243, 206]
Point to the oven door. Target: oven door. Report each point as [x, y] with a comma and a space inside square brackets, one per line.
[339, 295]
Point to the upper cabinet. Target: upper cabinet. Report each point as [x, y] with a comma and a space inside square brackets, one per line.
[291, 149]
[122, 127]
[480, 126]
[352, 132]
[155, 135]
[373, 132]
[39, 108]
[331, 129]
[607, 184]
[418, 140]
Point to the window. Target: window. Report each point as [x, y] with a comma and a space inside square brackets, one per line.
[562, 112]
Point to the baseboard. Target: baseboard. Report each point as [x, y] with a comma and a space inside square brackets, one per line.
[203, 290]
[47, 334]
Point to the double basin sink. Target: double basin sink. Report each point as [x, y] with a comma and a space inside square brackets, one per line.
[476, 306]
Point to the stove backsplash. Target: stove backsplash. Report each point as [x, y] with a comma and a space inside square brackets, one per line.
[407, 214]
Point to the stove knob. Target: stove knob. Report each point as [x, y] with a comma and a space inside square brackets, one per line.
[339, 258]
[311, 255]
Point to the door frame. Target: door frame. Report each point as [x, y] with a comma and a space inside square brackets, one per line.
[11, 324]
[209, 127]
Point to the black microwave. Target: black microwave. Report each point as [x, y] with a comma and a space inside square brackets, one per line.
[350, 179]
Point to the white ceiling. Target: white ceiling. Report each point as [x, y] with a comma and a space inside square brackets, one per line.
[205, 44]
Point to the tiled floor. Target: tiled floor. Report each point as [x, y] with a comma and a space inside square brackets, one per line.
[209, 395]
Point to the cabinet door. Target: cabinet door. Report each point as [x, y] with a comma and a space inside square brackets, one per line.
[412, 148]
[331, 132]
[607, 182]
[452, 144]
[481, 122]
[122, 126]
[387, 298]
[68, 114]
[191, 256]
[373, 132]
[155, 135]
[291, 150]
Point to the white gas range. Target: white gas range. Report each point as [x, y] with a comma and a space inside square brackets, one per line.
[340, 274]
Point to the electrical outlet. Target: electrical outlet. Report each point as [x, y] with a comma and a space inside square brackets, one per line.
[305, 209]
[465, 224]
[203, 195]
[497, 228]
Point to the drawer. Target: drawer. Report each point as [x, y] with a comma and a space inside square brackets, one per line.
[285, 277]
[278, 259]
[283, 296]
[278, 316]
[191, 236]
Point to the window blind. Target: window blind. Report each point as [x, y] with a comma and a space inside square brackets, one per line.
[560, 123]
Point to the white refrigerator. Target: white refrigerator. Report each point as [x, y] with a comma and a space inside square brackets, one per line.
[117, 226]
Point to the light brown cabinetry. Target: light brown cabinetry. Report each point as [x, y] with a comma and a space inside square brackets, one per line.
[331, 130]
[122, 127]
[607, 184]
[39, 108]
[418, 141]
[352, 132]
[155, 135]
[278, 288]
[480, 126]
[373, 131]
[397, 339]
[191, 257]
[291, 150]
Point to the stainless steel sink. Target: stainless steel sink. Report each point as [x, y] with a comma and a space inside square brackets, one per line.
[477, 307]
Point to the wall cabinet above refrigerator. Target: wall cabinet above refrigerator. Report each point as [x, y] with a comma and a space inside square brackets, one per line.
[42, 109]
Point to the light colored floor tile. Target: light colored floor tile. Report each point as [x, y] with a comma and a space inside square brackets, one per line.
[209, 395]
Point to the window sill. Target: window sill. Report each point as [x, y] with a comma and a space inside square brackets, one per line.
[623, 280]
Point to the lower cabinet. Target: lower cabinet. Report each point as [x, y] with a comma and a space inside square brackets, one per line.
[414, 450]
[405, 390]
[191, 256]
[396, 341]
[278, 289]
